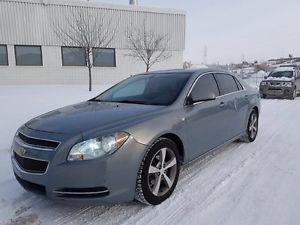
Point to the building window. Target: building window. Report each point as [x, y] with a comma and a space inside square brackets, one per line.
[104, 57]
[3, 55]
[73, 56]
[28, 55]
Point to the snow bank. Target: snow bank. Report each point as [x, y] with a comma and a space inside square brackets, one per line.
[21, 103]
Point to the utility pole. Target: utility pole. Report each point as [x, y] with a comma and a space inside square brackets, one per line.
[205, 55]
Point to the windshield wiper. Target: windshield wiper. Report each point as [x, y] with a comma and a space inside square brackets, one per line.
[133, 101]
[95, 100]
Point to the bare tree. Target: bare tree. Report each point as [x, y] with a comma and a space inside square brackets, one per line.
[86, 30]
[147, 46]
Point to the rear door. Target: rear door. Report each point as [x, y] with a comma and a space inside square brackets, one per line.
[233, 105]
[205, 120]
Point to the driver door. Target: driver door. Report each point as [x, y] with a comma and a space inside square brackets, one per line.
[205, 120]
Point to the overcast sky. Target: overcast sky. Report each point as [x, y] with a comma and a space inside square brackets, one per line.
[257, 29]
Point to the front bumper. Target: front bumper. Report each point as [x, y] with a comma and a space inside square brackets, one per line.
[276, 91]
[111, 179]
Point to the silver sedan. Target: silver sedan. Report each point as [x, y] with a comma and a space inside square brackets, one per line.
[130, 141]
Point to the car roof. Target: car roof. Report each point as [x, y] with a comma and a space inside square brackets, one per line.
[189, 71]
[285, 68]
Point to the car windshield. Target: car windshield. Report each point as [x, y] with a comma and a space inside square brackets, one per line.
[150, 89]
[288, 74]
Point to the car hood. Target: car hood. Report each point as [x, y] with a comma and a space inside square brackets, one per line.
[284, 79]
[87, 116]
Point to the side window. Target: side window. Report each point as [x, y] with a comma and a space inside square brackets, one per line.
[240, 87]
[226, 83]
[205, 88]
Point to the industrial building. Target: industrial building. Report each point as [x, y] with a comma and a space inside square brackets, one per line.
[32, 53]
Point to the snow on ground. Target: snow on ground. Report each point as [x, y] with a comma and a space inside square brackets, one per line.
[255, 183]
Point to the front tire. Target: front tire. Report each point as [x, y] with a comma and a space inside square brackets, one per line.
[159, 172]
[294, 94]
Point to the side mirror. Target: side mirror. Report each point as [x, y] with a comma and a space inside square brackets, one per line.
[189, 100]
[265, 77]
[210, 97]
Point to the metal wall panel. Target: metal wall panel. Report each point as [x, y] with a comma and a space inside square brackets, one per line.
[32, 22]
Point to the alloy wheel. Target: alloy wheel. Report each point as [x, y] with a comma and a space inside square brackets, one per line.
[162, 172]
[253, 125]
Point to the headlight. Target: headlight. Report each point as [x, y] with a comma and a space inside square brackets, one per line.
[97, 147]
[288, 84]
[263, 83]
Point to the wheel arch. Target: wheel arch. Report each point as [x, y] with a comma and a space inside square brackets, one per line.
[256, 109]
[177, 140]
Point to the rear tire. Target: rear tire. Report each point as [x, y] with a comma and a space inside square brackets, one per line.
[158, 173]
[252, 127]
[293, 95]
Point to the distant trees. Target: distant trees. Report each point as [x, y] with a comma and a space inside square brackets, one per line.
[263, 67]
[86, 30]
[147, 46]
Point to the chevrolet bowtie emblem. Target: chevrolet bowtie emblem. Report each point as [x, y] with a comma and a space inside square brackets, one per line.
[21, 151]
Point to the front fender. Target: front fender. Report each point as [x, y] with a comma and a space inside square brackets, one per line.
[149, 131]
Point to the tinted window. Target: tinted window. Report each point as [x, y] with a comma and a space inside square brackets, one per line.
[226, 83]
[205, 88]
[152, 89]
[28, 55]
[240, 87]
[73, 56]
[133, 89]
[3, 55]
[104, 57]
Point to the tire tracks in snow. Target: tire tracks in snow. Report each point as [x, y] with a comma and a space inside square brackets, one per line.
[200, 186]
[180, 204]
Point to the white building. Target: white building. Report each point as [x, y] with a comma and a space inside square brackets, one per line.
[31, 52]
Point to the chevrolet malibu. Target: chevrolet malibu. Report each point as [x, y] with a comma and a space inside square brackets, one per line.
[130, 141]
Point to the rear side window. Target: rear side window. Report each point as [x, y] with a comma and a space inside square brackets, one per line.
[205, 88]
[226, 83]
[240, 87]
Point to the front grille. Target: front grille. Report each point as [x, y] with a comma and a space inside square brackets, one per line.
[40, 189]
[275, 89]
[31, 165]
[38, 142]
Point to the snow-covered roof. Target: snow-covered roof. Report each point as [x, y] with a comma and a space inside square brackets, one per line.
[279, 69]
